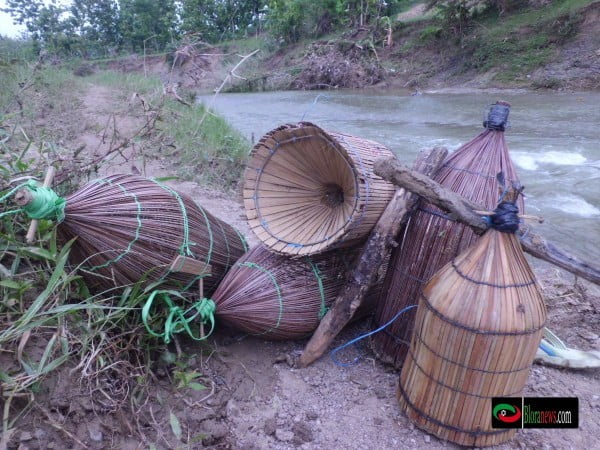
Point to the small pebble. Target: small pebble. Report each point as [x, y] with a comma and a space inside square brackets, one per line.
[270, 426]
[312, 415]
[380, 393]
[284, 435]
[25, 436]
[588, 335]
[39, 433]
[282, 357]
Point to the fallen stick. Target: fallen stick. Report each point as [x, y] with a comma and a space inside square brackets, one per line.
[465, 212]
[218, 90]
[373, 254]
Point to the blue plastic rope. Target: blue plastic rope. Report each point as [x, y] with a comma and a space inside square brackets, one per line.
[370, 333]
[312, 105]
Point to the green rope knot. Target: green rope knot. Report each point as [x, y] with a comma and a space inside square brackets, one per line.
[44, 204]
[324, 309]
[178, 319]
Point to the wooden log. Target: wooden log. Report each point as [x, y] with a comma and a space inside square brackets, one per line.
[464, 211]
[361, 278]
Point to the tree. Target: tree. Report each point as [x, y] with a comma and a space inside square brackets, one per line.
[40, 20]
[215, 20]
[292, 20]
[457, 15]
[97, 21]
[148, 23]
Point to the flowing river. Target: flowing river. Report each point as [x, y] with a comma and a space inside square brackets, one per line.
[553, 138]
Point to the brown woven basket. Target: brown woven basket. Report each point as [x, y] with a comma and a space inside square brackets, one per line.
[281, 297]
[307, 190]
[431, 239]
[479, 323]
[131, 228]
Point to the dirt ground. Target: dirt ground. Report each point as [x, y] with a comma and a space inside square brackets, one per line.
[254, 399]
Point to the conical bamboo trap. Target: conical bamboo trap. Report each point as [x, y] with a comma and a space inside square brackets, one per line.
[280, 297]
[130, 228]
[430, 239]
[478, 326]
[307, 190]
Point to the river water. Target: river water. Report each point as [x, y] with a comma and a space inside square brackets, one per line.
[553, 138]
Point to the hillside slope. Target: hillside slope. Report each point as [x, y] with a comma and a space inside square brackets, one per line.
[555, 46]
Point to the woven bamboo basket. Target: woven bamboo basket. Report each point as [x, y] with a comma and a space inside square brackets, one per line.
[281, 297]
[430, 239]
[479, 323]
[130, 228]
[307, 190]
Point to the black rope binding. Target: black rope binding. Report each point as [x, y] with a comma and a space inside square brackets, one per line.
[505, 218]
[497, 117]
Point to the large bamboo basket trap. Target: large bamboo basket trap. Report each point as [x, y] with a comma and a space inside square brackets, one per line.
[281, 297]
[479, 323]
[307, 190]
[430, 239]
[129, 228]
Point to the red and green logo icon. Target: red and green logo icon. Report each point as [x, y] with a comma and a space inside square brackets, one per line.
[506, 413]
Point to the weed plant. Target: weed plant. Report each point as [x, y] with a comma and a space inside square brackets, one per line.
[49, 320]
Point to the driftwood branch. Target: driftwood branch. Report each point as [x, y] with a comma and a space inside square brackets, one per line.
[230, 75]
[373, 254]
[464, 211]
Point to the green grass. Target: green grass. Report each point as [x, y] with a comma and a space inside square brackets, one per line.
[131, 82]
[48, 318]
[207, 149]
[14, 50]
[515, 55]
[247, 45]
[212, 152]
[513, 45]
[522, 41]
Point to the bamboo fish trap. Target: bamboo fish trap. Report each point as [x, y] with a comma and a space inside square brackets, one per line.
[307, 190]
[130, 228]
[479, 322]
[280, 297]
[430, 239]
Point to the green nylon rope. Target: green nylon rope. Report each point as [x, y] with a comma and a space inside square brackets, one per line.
[317, 273]
[178, 319]
[137, 229]
[242, 239]
[184, 250]
[185, 246]
[45, 203]
[277, 289]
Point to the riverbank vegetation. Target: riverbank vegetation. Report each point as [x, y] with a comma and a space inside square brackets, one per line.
[83, 120]
[337, 43]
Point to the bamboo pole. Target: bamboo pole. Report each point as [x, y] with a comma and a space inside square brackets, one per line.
[24, 197]
[465, 212]
[371, 257]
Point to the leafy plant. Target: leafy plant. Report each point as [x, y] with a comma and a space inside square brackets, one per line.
[186, 378]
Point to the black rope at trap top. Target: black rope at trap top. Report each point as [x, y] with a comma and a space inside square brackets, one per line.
[497, 118]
